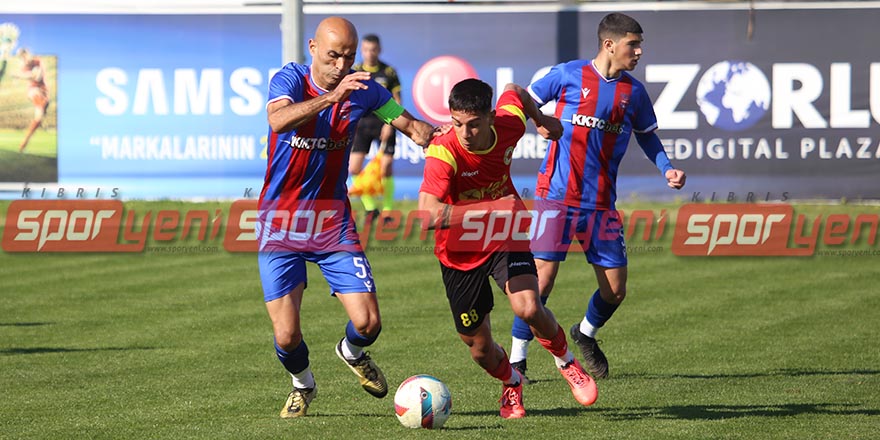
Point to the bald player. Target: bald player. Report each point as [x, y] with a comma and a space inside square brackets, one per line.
[304, 211]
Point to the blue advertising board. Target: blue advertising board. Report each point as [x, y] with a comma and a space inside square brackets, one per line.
[173, 106]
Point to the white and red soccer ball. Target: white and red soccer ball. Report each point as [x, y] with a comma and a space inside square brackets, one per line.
[422, 401]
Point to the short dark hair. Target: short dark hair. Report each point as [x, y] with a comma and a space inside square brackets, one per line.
[616, 25]
[471, 96]
[372, 38]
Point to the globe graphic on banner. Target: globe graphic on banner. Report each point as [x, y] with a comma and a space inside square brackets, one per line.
[733, 95]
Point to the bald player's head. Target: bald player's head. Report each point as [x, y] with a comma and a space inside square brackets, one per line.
[333, 50]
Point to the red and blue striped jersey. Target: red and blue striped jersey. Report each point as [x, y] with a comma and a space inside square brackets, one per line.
[310, 162]
[598, 116]
[304, 197]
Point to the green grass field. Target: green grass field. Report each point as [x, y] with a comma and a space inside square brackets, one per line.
[178, 345]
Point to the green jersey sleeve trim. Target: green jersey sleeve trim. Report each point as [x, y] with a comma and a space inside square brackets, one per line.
[389, 111]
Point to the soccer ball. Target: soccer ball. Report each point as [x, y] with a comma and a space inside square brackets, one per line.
[422, 401]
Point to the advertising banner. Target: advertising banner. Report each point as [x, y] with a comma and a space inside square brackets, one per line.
[752, 107]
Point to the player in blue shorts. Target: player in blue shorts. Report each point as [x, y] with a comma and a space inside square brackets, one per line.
[304, 211]
[600, 105]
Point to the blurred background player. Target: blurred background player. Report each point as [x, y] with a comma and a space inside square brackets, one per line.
[312, 113]
[372, 128]
[32, 71]
[9, 34]
[600, 105]
[466, 170]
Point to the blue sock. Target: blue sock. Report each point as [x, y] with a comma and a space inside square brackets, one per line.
[358, 339]
[295, 361]
[599, 311]
[520, 329]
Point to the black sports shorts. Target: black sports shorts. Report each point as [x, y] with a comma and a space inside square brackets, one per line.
[469, 292]
[369, 128]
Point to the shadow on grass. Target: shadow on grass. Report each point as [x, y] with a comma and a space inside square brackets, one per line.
[551, 412]
[786, 372]
[316, 415]
[717, 412]
[44, 350]
[24, 324]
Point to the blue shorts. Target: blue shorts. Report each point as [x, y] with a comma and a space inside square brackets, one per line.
[599, 232]
[345, 272]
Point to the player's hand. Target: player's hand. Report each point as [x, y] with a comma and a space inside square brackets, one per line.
[443, 129]
[351, 82]
[549, 127]
[438, 131]
[675, 179]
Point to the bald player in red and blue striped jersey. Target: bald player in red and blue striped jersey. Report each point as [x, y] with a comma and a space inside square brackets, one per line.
[304, 213]
[600, 105]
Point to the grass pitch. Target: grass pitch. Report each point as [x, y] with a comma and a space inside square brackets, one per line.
[167, 344]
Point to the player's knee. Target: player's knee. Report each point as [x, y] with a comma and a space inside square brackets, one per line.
[530, 313]
[371, 329]
[363, 333]
[288, 340]
[616, 295]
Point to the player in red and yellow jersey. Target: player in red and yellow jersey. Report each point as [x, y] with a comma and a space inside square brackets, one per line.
[467, 184]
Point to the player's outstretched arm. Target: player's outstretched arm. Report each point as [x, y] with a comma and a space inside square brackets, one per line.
[548, 126]
[419, 131]
[285, 115]
[653, 149]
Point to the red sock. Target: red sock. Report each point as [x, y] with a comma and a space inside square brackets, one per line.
[503, 371]
[557, 346]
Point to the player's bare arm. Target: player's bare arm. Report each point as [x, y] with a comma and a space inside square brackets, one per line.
[548, 127]
[419, 131]
[443, 215]
[439, 213]
[285, 115]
